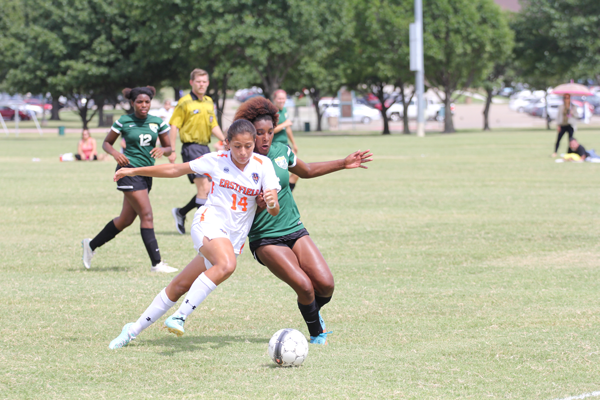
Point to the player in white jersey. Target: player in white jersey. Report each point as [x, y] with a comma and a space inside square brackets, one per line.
[220, 227]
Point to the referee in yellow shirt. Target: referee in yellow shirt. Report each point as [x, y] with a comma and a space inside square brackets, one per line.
[194, 118]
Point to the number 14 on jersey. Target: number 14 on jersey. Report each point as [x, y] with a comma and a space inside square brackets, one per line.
[243, 203]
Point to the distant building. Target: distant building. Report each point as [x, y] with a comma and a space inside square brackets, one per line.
[512, 5]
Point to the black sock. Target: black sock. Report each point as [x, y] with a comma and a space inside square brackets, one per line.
[188, 207]
[321, 301]
[151, 245]
[292, 186]
[311, 317]
[105, 235]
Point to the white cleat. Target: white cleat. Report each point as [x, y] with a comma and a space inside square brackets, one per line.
[123, 339]
[163, 267]
[87, 253]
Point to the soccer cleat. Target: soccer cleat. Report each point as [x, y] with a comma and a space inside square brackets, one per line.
[123, 339]
[322, 322]
[163, 267]
[179, 220]
[87, 253]
[321, 339]
[175, 324]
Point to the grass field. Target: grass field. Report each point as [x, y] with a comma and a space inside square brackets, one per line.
[466, 266]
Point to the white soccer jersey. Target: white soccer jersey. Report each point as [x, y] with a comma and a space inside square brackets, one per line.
[231, 202]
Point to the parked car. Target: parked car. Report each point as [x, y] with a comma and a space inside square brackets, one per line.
[36, 102]
[520, 104]
[8, 113]
[396, 111]
[244, 94]
[360, 112]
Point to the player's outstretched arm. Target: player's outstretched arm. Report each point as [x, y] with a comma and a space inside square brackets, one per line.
[313, 170]
[157, 171]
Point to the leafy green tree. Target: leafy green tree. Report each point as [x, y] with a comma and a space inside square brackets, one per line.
[543, 57]
[381, 47]
[270, 37]
[321, 73]
[461, 42]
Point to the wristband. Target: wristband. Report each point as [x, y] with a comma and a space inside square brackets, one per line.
[270, 208]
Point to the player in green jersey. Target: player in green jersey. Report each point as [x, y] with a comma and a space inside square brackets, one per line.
[282, 133]
[140, 132]
[281, 242]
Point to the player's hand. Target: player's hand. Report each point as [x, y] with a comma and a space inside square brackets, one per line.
[123, 172]
[357, 159]
[121, 159]
[172, 157]
[260, 201]
[269, 199]
[157, 152]
[295, 149]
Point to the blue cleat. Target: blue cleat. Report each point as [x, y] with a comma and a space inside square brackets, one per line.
[123, 339]
[175, 324]
[322, 322]
[321, 339]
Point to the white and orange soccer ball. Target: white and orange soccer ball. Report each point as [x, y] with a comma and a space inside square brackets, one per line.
[288, 348]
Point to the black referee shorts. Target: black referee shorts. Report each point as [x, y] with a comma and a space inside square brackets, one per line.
[133, 183]
[191, 151]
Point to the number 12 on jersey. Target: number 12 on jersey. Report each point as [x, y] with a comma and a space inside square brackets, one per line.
[243, 202]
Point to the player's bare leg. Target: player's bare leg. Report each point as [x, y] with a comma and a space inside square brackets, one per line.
[140, 202]
[219, 253]
[285, 263]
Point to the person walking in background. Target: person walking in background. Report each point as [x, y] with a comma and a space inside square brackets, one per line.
[566, 121]
[141, 132]
[165, 112]
[194, 118]
[86, 151]
[283, 131]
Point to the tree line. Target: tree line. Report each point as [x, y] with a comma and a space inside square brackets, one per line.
[93, 48]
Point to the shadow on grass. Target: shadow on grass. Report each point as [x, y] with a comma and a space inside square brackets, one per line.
[199, 343]
[168, 233]
[100, 269]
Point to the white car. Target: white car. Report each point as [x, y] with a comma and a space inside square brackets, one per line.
[396, 110]
[360, 113]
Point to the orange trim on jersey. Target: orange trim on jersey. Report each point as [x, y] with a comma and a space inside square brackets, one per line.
[242, 248]
[209, 177]
[257, 159]
[202, 215]
[223, 155]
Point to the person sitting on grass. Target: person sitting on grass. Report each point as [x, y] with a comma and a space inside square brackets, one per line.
[86, 151]
[576, 148]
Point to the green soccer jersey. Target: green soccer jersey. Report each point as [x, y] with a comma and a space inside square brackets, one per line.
[281, 136]
[140, 137]
[288, 219]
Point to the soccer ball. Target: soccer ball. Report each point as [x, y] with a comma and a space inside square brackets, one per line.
[288, 348]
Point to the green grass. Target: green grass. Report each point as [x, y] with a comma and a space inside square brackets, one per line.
[466, 266]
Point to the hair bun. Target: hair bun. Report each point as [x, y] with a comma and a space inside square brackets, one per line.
[127, 93]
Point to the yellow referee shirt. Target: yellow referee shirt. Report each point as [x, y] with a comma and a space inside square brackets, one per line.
[195, 119]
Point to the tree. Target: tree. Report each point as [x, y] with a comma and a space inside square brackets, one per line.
[322, 72]
[381, 47]
[270, 36]
[461, 38]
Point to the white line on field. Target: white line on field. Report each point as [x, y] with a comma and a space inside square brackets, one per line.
[582, 396]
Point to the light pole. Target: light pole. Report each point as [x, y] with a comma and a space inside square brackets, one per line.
[417, 65]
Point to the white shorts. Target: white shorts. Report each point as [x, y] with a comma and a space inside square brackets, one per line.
[205, 224]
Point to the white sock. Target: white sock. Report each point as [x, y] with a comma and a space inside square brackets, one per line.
[160, 305]
[200, 202]
[200, 289]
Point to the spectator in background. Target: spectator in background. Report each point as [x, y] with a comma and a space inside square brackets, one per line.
[576, 148]
[86, 151]
[165, 112]
[566, 121]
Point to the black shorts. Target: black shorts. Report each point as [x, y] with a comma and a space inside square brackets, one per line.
[285, 241]
[133, 183]
[191, 151]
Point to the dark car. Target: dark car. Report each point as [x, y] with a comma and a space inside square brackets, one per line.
[9, 114]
